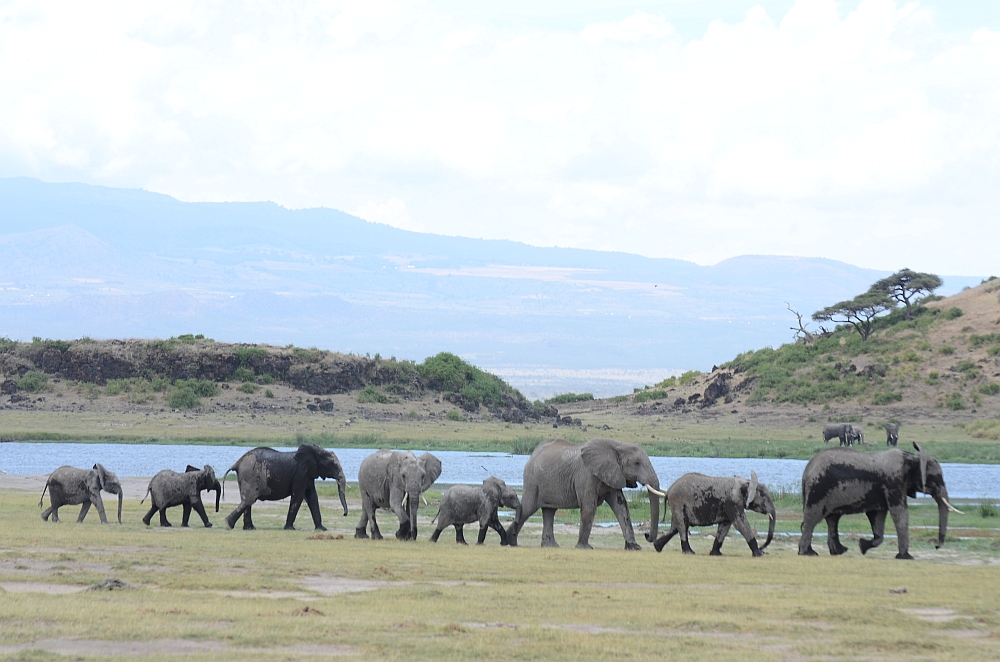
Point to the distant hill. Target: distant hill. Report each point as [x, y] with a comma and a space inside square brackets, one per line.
[79, 260]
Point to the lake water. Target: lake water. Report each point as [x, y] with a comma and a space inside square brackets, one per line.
[968, 481]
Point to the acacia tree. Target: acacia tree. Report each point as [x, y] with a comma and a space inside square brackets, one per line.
[905, 285]
[860, 312]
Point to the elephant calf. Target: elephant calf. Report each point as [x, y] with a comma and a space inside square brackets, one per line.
[169, 488]
[71, 486]
[464, 504]
[699, 500]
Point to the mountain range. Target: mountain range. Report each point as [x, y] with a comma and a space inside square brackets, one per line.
[81, 260]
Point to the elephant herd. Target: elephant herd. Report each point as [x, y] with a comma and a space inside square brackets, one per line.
[848, 433]
[559, 474]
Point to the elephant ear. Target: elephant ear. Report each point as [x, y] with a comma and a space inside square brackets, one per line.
[752, 490]
[492, 491]
[601, 458]
[102, 475]
[923, 467]
[432, 469]
[305, 457]
[190, 469]
[737, 494]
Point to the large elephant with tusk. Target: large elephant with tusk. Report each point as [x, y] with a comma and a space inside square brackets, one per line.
[843, 481]
[395, 480]
[699, 500]
[560, 474]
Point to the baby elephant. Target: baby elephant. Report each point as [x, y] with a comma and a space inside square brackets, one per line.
[169, 488]
[464, 504]
[71, 486]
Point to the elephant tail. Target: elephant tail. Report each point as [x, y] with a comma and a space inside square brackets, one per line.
[41, 498]
[436, 515]
[149, 488]
[232, 468]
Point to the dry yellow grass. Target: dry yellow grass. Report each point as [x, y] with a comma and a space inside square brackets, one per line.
[219, 594]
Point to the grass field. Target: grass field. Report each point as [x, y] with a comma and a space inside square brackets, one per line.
[220, 595]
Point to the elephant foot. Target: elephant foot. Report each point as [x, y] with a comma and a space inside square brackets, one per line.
[584, 545]
[208, 525]
[231, 523]
[511, 541]
[320, 528]
[904, 556]
[660, 543]
[756, 553]
[168, 524]
[632, 546]
[808, 552]
[549, 543]
[715, 552]
[688, 551]
[289, 527]
[865, 545]
[837, 551]
[249, 527]
[462, 542]
[360, 534]
[649, 537]
[376, 535]
[185, 525]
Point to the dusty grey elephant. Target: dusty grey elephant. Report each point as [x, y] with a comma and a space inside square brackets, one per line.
[699, 500]
[464, 504]
[857, 434]
[842, 431]
[265, 474]
[843, 481]
[71, 486]
[892, 434]
[169, 488]
[394, 480]
[560, 474]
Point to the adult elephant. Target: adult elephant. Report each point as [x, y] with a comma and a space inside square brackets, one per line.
[892, 434]
[699, 500]
[843, 481]
[394, 480]
[857, 434]
[842, 431]
[72, 486]
[265, 474]
[560, 474]
[169, 488]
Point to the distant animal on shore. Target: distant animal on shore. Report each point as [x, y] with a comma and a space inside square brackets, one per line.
[842, 431]
[857, 434]
[892, 434]
[169, 488]
[71, 486]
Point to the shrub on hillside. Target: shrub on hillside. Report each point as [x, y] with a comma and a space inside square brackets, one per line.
[952, 313]
[954, 401]
[448, 372]
[184, 398]
[455, 415]
[33, 382]
[887, 397]
[372, 394]
[654, 394]
[566, 398]
[248, 387]
[989, 389]
[201, 387]
[988, 429]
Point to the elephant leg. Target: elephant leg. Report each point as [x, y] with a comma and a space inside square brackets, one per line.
[743, 526]
[548, 519]
[460, 534]
[51, 510]
[199, 507]
[720, 537]
[833, 535]
[436, 535]
[99, 504]
[664, 539]
[185, 514]
[248, 518]
[163, 517]
[901, 519]
[312, 500]
[685, 545]
[83, 511]
[493, 523]
[619, 506]
[361, 530]
[587, 513]
[877, 520]
[149, 515]
[293, 511]
[809, 522]
[482, 534]
[235, 515]
[529, 505]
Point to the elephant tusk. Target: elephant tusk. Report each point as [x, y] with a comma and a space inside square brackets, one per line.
[424, 499]
[770, 516]
[951, 507]
[656, 492]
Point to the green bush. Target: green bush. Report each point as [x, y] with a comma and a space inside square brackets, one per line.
[248, 387]
[455, 415]
[184, 398]
[964, 366]
[268, 393]
[988, 509]
[933, 378]
[448, 372]
[565, 398]
[266, 379]
[201, 387]
[372, 394]
[976, 340]
[986, 429]
[952, 313]
[117, 386]
[947, 350]
[415, 415]
[643, 396]
[887, 397]
[989, 389]
[688, 377]
[159, 384]
[669, 382]
[620, 398]
[61, 345]
[7, 344]
[954, 401]
[243, 375]
[33, 382]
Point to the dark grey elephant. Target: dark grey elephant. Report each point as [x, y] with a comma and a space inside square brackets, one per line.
[842, 431]
[464, 504]
[69, 486]
[892, 434]
[265, 474]
[394, 480]
[843, 481]
[560, 474]
[857, 434]
[699, 500]
[169, 488]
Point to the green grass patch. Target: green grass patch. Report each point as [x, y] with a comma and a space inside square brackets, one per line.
[373, 395]
[566, 398]
[654, 394]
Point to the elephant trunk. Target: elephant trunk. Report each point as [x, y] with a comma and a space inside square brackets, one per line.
[121, 496]
[414, 502]
[218, 494]
[341, 489]
[654, 510]
[772, 516]
[942, 520]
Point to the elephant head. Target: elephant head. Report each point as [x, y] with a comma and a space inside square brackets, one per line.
[924, 474]
[500, 493]
[207, 481]
[320, 463]
[620, 464]
[102, 479]
[413, 475]
[758, 499]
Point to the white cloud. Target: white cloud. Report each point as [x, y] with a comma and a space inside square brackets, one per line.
[801, 133]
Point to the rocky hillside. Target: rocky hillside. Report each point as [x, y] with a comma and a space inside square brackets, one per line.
[196, 363]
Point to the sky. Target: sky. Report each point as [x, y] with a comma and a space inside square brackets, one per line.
[865, 131]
